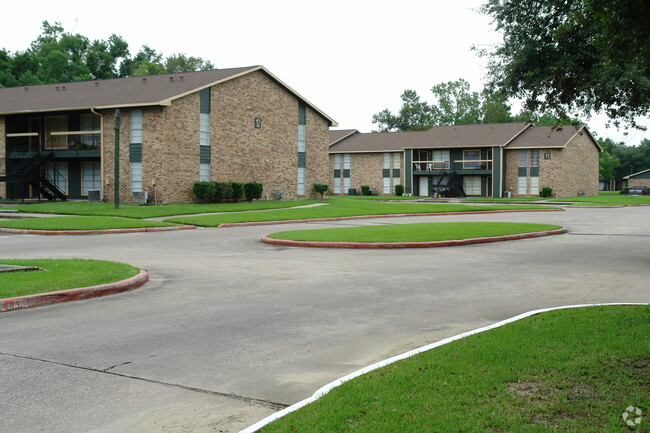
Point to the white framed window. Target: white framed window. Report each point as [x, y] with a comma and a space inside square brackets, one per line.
[90, 122]
[534, 185]
[387, 185]
[204, 129]
[301, 138]
[91, 177]
[534, 158]
[523, 159]
[337, 179]
[346, 184]
[386, 161]
[56, 124]
[337, 185]
[136, 177]
[396, 161]
[441, 159]
[301, 180]
[204, 172]
[471, 159]
[472, 185]
[136, 126]
[346, 161]
[522, 187]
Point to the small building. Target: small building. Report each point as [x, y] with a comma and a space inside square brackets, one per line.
[486, 160]
[229, 125]
[641, 178]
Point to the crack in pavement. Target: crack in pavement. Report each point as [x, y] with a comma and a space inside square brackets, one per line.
[251, 400]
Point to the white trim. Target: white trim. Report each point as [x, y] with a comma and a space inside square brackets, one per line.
[327, 388]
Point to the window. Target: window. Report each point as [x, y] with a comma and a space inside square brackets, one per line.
[472, 185]
[337, 174]
[136, 177]
[204, 172]
[534, 185]
[56, 124]
[396, 169]
[204, 129]
[441, 159]
[534, 158]
[91, 177]
[522, 187]
[386, 174]
[471, 159]
[136, 127]
[90, 122]
[523, 159]
[301, 180]
[301, 138]
[57, 173]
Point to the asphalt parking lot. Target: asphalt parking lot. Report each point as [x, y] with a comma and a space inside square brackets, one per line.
[229, 330]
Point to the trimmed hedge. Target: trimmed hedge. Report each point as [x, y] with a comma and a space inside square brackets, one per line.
[217, 192]
[253, 190]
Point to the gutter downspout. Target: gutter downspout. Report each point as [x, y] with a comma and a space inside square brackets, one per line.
[101, 151]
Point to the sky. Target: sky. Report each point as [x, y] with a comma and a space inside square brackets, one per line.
[350, 58]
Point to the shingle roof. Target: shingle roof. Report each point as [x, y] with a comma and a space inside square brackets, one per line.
[121, 92]
[338, 134]
[637, 173]
[545, 136]
[481, 135]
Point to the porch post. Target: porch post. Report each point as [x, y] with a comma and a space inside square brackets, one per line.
[117, 158]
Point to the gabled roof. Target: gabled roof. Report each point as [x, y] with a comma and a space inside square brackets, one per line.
[123, 92]
[637, 173]
[481, 135]
[337, 135]
[548, 137]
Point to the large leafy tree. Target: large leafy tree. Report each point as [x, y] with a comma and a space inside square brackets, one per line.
[454, 104]
[573, 57]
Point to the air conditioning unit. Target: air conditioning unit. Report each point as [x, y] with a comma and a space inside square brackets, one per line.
[140, 197]
[94, 196]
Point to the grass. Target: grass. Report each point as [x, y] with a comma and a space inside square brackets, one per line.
[571, 370]
[341, 207]
[131, 211]
[60, 275]
[606, 198]
[421, 232]
[80, 223]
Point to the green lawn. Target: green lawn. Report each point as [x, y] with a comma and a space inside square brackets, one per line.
[607, 198]
[131, 211]
[80, 223]
[572, 370]
[421, 232]
[341, 207]
[60, 275]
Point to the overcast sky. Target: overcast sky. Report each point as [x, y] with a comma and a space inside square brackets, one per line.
[349, 58]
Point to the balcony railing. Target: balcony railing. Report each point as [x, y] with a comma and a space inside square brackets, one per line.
[64, 140]
[461, 164]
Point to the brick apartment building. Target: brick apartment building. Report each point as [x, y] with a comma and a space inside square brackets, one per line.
[238, 125]
[488, 160]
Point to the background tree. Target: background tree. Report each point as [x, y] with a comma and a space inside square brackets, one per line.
[573, 57]
[414, 115]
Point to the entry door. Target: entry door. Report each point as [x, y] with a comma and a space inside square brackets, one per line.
[424, 186]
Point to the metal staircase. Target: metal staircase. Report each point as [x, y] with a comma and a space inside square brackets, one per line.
[30, 170]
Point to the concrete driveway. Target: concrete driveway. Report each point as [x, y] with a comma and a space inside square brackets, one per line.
[229, 330]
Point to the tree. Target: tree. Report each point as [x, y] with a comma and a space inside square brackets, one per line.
[414, 115]
[573, 57]
[181, 63]
[455, 104]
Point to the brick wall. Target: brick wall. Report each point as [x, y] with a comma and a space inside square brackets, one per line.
[635, 181]
[580, 166]
[239, 151]
[551, 170]
[366, 169]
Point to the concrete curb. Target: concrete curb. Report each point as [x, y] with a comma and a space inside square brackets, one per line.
[356, 217]
[40, 299]
[327, 388]
[94, 232]
[389, 245]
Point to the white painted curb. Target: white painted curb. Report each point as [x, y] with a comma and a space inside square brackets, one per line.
[327, 388]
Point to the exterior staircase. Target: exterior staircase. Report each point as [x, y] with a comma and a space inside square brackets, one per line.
[30, 171]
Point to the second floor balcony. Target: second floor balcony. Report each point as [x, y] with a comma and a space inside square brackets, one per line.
[423, 166]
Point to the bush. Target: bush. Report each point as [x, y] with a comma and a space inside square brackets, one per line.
[253, 190]
[547, 192]
[222, 191]
[365, 190]
[624, 191]
[399, 190]
[203, 191]
[237, 191]
[321, 189]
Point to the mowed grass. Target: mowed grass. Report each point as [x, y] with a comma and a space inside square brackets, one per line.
[60, 275]
[131, 211]
[420, 232]
[337, 207]
[606, 198]
[80, 223]
[572, 370]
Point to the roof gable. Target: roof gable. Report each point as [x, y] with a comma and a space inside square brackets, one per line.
[549, 137]
[123, 92]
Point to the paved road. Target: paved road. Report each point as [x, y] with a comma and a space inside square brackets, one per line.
[229, 329]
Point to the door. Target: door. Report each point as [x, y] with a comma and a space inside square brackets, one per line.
[424, 186]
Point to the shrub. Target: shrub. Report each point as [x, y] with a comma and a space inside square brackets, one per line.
[253, 190]
[547, 192]
[399, 190]
[237, 190]
[365, 190]
[321, 189]
[203, 191]
[624, 191]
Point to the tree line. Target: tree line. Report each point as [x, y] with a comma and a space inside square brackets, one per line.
[58, 56]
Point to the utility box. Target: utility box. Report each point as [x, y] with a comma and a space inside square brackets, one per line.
[94, 196]
[140, 197]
